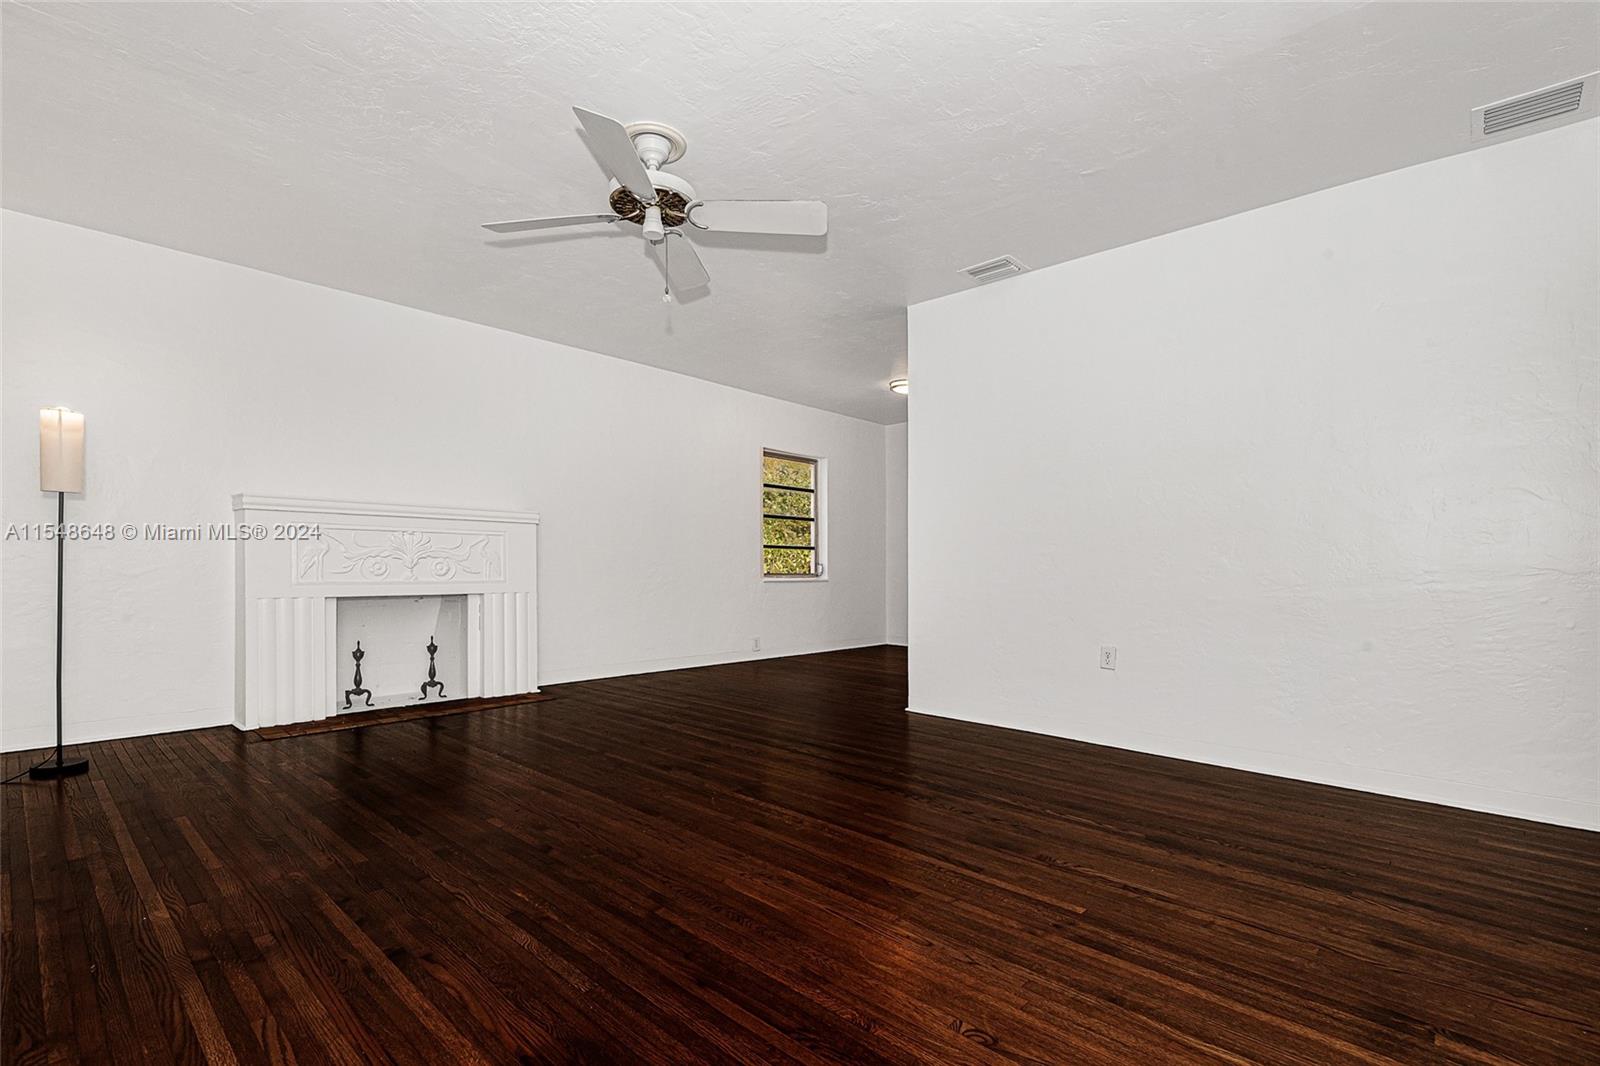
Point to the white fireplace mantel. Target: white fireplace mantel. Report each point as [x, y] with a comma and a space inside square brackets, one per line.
[296, 558]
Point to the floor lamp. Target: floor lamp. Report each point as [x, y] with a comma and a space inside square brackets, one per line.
[60, 472]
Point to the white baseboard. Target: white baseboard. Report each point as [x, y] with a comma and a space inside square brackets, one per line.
[29, 739]
[1555, 810]
[653, 666]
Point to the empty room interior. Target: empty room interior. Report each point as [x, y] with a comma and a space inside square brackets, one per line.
[813, 533]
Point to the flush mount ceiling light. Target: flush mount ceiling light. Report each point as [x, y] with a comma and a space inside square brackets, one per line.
[900, 385]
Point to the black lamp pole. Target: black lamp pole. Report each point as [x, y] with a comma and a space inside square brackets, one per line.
[59, 767]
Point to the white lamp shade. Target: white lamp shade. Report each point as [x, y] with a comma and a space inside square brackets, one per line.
[60, 450]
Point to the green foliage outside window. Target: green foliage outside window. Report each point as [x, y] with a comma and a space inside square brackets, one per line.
[788, 522]
[777, 470]
[781, 562]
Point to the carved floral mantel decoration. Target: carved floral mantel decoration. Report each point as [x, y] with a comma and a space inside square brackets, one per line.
[397, 556]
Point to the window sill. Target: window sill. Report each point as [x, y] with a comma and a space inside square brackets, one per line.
[797, 579]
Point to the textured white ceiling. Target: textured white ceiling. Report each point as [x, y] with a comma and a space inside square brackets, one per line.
[359, 145]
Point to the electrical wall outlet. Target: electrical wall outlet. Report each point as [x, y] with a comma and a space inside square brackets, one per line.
[1108, 656]
[755, 643]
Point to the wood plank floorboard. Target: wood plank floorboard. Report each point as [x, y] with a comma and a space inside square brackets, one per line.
[358, 719]
[768, 862]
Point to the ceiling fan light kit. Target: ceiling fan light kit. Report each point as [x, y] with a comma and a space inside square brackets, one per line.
[660, 203]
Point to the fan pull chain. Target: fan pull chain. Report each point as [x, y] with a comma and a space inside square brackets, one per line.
[666, 271]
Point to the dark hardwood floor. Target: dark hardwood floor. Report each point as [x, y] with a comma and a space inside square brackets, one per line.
[769, 862]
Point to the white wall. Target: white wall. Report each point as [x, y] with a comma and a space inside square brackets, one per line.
[894, 531]
[1324, 472]
[201, 379]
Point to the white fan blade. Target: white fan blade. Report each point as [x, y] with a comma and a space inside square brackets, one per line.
[797, 218]
[546, 223]
[611, 145]
[684, 270]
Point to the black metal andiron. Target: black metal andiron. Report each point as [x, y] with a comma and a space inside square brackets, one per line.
[357, 655]
[433, 674]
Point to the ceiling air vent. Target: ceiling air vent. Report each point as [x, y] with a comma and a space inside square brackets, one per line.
[994, 270]
[1553, 105]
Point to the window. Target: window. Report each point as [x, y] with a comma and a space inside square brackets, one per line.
[790, 516]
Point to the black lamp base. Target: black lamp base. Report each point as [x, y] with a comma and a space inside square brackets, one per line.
[67, 768]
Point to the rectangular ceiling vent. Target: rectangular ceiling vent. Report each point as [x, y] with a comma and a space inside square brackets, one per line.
[994, 269]
[1552, 105]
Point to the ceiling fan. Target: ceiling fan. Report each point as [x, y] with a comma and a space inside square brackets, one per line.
[664, 205]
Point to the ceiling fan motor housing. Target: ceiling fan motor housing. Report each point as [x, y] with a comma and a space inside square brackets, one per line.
[673, 196]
